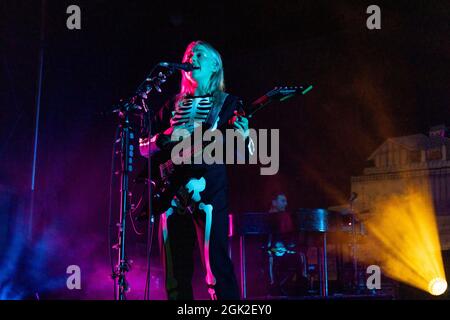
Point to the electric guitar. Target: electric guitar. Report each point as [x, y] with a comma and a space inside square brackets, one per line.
[168, 179]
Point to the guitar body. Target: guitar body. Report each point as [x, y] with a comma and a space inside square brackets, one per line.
[171, 180]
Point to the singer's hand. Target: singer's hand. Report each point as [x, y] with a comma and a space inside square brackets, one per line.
[241, 124]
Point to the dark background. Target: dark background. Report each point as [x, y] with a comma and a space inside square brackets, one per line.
[368, 85]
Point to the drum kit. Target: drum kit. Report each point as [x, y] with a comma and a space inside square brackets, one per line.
[316, 226]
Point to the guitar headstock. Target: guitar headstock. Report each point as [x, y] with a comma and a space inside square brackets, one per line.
[287, 91]
[278, 94]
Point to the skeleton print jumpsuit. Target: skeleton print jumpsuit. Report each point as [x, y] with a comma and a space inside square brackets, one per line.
[208, 223]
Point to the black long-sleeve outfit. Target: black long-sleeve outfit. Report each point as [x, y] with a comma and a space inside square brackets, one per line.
[209, 223]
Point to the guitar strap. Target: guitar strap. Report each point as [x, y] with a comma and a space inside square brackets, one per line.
[218, 103]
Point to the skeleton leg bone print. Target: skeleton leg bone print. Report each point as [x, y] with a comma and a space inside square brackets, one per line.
[194, 187]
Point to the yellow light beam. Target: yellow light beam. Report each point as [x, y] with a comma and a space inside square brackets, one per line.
[404, 239]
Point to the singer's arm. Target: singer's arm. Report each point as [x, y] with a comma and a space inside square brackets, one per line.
[160, 125]
[148, 148]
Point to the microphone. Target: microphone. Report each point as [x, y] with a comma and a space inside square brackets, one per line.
[178, 66]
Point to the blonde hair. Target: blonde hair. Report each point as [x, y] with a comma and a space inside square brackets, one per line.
[216, 82]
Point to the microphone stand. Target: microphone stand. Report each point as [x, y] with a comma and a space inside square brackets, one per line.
[137, 104]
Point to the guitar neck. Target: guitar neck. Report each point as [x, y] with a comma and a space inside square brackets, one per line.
[276, 94]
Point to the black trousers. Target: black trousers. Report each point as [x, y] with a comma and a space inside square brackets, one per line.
[209, 225]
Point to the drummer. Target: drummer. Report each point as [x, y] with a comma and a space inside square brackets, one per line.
[286, 266]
